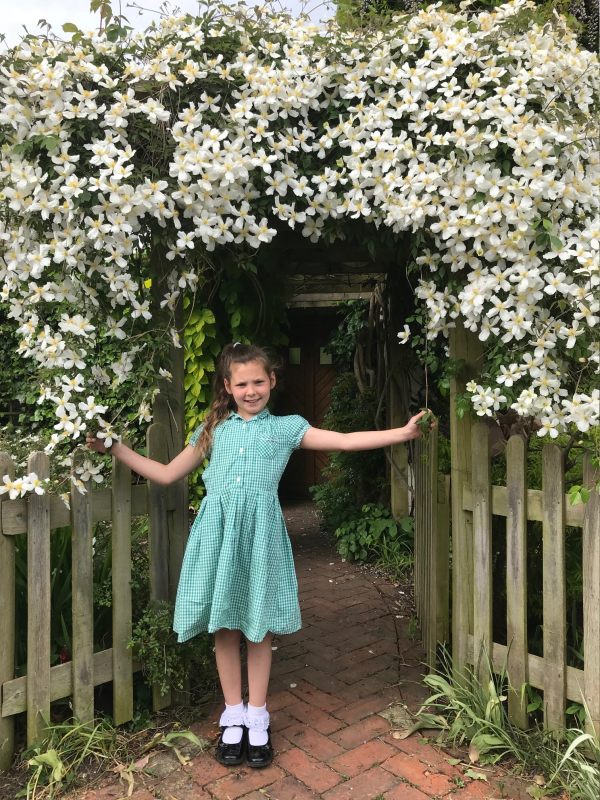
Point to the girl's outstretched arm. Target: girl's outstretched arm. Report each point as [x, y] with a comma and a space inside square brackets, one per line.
[163, 474]
[319, 439]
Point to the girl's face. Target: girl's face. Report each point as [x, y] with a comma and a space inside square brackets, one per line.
[250, 386]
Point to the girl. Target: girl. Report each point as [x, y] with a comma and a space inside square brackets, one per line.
[238, 576]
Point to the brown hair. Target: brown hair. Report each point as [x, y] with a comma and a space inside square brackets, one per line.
[222, 403]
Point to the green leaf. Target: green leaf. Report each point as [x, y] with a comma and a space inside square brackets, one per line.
[556, 243]
[475, 776]
[70, 27]
[547, 224]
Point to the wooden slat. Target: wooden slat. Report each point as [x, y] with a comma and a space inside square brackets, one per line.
[554, 589]
[38, 604]
[82, 600]
[535, 505]
[121, 593]
[14, 512]
[432, 562]
[442, 576]
[464, 347]
[14, 693]
[157, 446]
[482, 549]
[516, 578]
[591, 598]
[7, 621]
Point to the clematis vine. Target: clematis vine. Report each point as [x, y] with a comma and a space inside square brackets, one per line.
[473, 130]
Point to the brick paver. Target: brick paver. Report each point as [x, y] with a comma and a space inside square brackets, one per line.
[352, 659]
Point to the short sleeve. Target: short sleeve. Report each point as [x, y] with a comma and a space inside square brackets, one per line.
[195, 436]
[294, 429]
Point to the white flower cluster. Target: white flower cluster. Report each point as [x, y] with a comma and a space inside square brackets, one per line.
[213, 131]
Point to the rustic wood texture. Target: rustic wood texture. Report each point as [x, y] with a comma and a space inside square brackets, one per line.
[591, 597]
[7, 620]
[554, 586]
[516, 578]
[442, 578]
[82, 572]
[158, 537]
[464, 346]
[535, 504]
[482, 550]
[121, 593]
[14, 512]
[431, 572]
[38, 604]
[537, 669]
[14, 693]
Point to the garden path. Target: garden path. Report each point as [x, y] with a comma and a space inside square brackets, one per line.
[354, 658]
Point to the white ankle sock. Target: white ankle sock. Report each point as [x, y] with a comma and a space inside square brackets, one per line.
[257, 722]
[232, 719]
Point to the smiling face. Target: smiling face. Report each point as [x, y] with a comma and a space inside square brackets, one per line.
[250, 386]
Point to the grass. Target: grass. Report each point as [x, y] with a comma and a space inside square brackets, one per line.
[468, 713]
[72, 751]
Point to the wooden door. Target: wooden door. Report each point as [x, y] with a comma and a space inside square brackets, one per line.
[306, 387]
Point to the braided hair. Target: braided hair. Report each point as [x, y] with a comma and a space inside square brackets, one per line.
[223, 403]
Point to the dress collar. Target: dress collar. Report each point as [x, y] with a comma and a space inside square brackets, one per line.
[263, 414]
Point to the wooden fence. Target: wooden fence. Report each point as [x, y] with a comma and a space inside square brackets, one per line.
[473, 584]
[37, 516]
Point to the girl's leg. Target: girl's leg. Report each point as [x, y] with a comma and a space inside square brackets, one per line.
[259, 670]
[229, 664]
[260, 752]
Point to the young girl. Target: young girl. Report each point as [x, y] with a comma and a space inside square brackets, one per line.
[238, 576]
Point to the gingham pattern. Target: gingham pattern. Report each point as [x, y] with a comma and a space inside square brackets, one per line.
[238, 570]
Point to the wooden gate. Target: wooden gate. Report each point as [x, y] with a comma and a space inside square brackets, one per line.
[37, 517]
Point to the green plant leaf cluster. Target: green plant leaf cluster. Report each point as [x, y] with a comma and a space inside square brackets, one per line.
[375, 536]
[53, 764]
[165, 662]
[473, 714]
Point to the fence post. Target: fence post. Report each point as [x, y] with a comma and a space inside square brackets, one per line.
[554, 598]
[7, 623]
[591, 598]
[158, 536]
[516, 580]
[121, 588]
[482, 551]
[38, 604]
[466, 349]
[442, 582]
[82, 600]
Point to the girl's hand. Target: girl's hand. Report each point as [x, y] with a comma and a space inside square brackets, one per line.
[421, 423]
[93, 443]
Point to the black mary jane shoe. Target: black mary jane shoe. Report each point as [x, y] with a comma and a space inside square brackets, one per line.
[231, 754]
[261, 755]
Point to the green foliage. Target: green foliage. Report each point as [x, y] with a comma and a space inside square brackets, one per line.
[165, 662]
[467, 712]
[351, 479]
[375, 535]
[353, 316]
[66, 748]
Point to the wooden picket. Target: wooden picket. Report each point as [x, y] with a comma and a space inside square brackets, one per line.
[431, 569]
[37, 517]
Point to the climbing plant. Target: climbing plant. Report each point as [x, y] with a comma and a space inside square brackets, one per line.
[210, 133]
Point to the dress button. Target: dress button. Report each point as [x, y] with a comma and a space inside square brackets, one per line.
[241, 449]
[238, 479]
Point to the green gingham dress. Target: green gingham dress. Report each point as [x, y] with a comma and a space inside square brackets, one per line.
[238, 570]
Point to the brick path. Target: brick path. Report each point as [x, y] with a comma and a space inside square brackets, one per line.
[353, 659]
